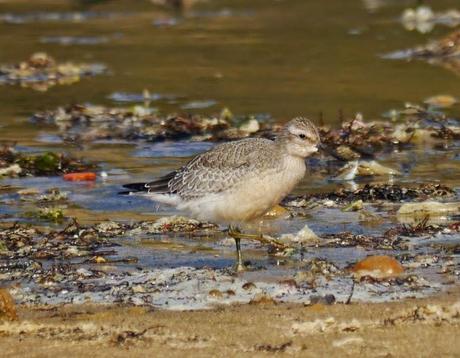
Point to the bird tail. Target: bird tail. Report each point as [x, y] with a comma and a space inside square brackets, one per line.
[159, 185]
[134, 188]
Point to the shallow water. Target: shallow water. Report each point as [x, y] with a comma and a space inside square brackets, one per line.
[276, 58]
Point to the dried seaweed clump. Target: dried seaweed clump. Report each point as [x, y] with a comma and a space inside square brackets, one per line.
[170, 224]
[422, 228]
[357, 138]
[89, 123]
[348, 239]
[13, 163]
[75, 240]
[379, 192]
[444, 52]
[448, 46]
[19, 241]
[393, 193]
[41, 71]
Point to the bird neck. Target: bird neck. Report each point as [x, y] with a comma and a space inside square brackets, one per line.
[282, 141]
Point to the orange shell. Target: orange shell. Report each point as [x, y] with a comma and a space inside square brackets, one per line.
[380, 266]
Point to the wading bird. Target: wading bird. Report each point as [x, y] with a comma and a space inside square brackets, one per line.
[238, 182]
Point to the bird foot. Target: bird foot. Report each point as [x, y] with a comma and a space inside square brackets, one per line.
[240, 267]
[237, 234]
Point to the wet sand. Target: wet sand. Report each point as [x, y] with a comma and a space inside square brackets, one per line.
[422, 327]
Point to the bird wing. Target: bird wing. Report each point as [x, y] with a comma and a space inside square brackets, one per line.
[216, 170]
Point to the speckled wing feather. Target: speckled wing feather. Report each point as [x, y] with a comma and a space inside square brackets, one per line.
[219, 169]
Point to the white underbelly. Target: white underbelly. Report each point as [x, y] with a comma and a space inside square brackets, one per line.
[249, 200]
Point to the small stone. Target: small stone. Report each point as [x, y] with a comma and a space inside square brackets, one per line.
[249, 286]
[215, 294]
[7, 305]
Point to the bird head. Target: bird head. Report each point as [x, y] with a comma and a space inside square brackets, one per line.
[301, 137]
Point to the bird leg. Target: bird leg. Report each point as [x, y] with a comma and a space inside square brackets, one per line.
[237, 235]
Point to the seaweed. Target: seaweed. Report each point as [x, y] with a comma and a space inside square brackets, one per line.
[44, 164]
[41, 71]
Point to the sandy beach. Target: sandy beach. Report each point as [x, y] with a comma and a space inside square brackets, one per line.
[412, 328]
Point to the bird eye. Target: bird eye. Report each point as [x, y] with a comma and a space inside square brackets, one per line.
[302, 136]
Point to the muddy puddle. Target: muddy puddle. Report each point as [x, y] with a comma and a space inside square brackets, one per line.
[174, 82]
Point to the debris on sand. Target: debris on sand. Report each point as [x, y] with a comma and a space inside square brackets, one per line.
[13, 163]
[74, 240]
[28, 242]
[89, 123]
[41, 71]
[80, 263]
[171, 224]
[421, 228]
[422, 313]
[348, 239]
[443, 48]
[428, 313]
[376, 193]
[444, 52]
[357, 139]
